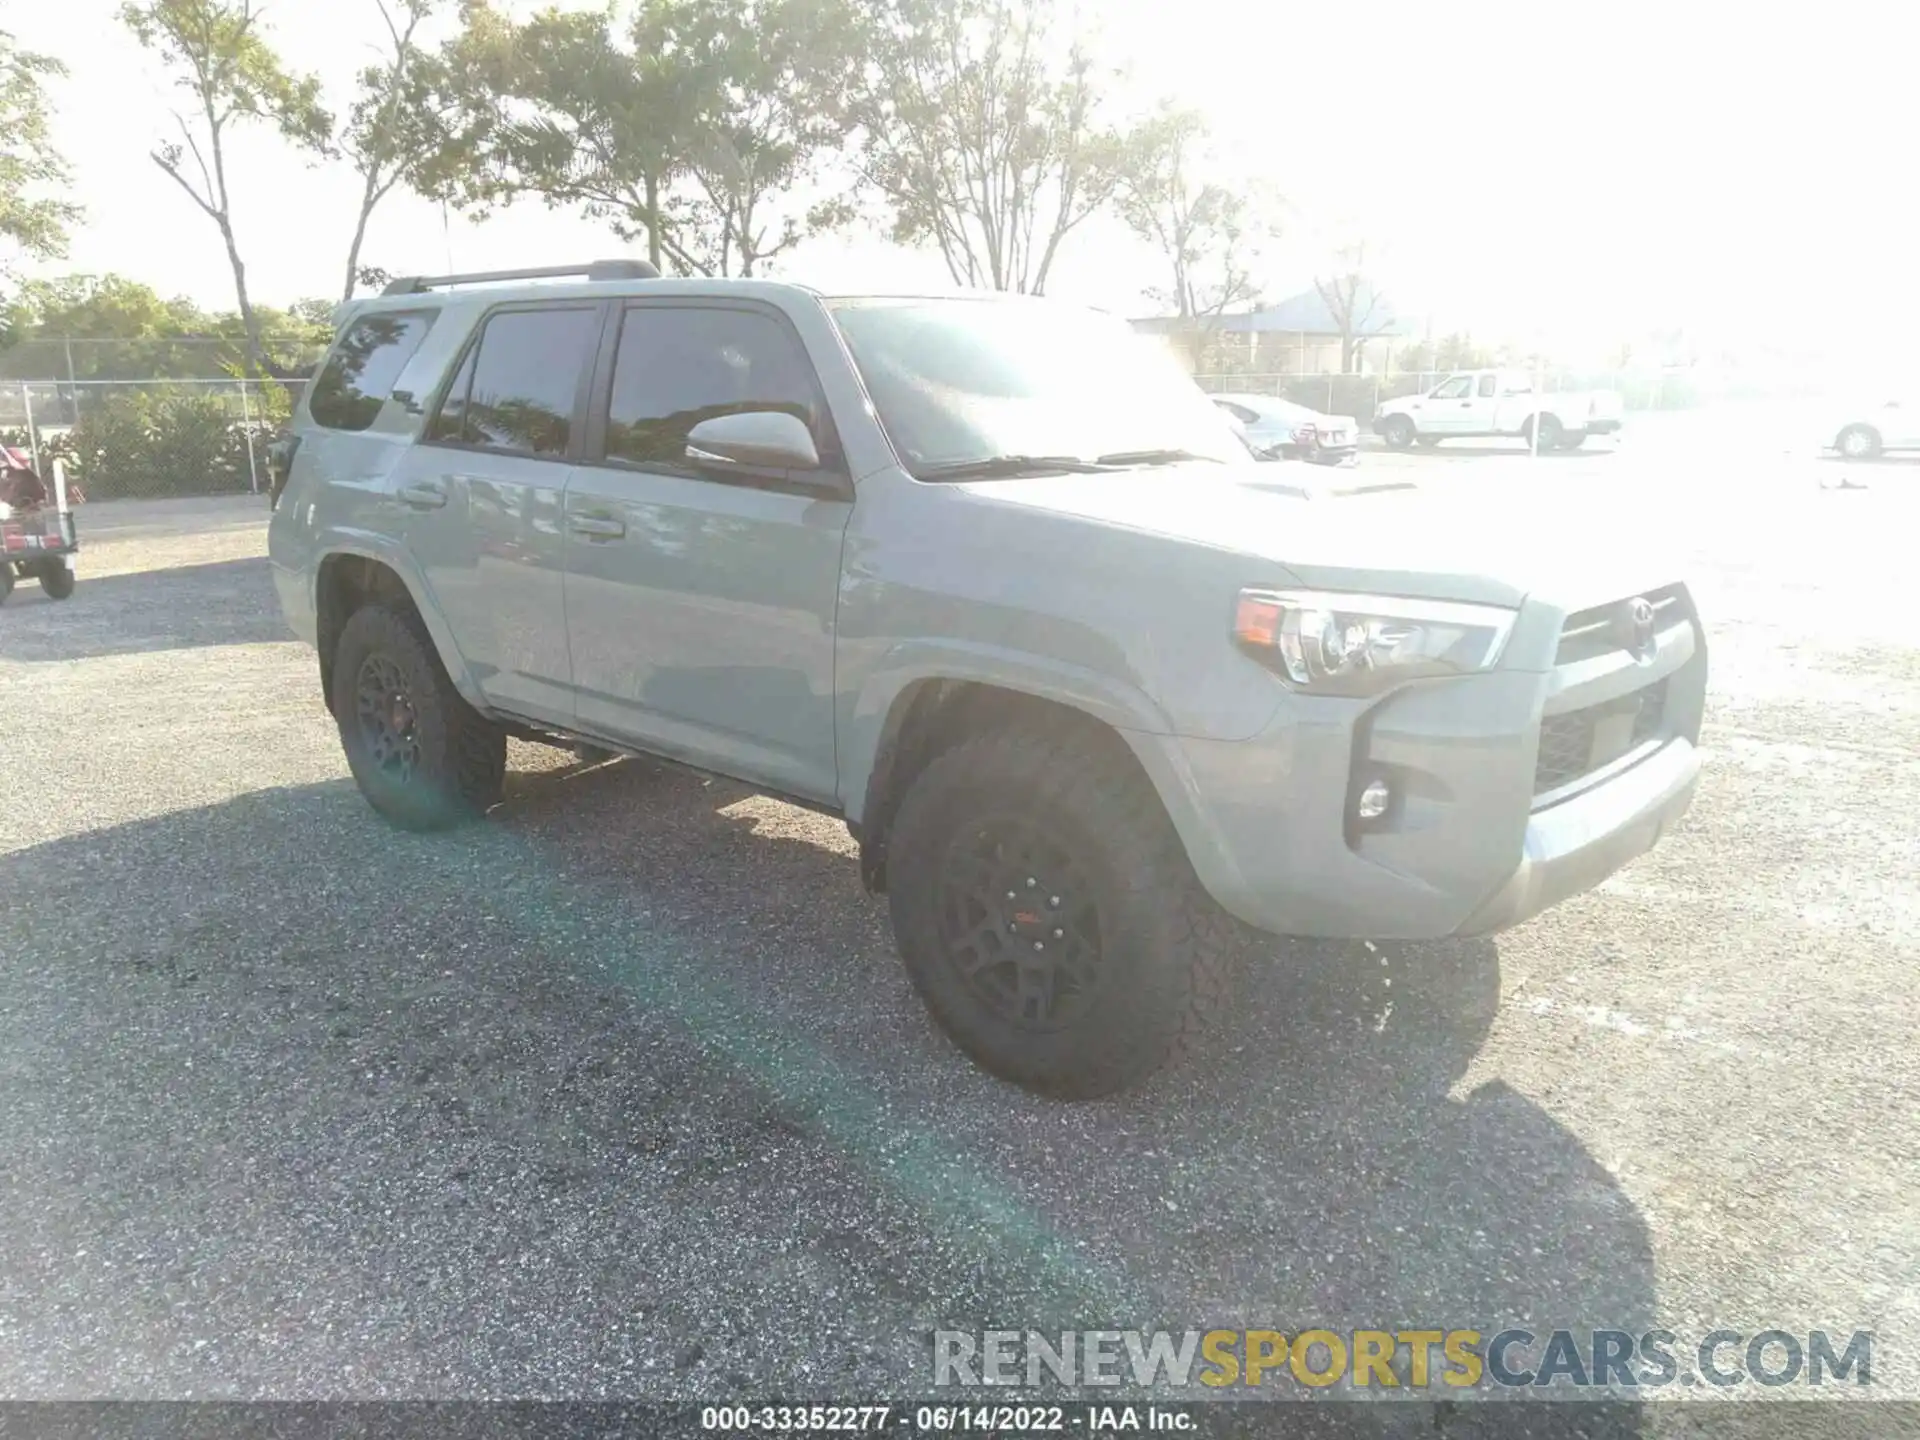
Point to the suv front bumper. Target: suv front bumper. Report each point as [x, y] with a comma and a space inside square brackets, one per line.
[1577, 844]
[1478, 836]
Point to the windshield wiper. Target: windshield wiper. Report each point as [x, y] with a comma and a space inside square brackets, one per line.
[1155, 457]
[991, 466]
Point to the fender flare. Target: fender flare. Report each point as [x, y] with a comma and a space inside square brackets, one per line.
[877, 710]
[388, 553]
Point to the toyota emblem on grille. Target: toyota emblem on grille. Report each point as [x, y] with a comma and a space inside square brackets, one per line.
[1635, 627]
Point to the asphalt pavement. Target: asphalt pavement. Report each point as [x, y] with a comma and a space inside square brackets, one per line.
[623, 1093]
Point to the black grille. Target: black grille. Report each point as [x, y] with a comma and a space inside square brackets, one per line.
[1582, 741]
[1600, 630]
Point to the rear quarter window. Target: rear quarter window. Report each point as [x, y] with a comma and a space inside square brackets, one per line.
[363, 366]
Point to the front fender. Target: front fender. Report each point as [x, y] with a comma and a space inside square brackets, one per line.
[869, 715]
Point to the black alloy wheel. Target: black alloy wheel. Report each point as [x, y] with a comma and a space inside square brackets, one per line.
[388, 720]
[1020, 924]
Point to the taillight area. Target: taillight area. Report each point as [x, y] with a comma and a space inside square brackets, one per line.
[280, 466]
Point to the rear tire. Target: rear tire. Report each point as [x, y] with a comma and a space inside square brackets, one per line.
[1109, 957]
[1858, 442]
[421, 755]
[1552, 433]
[1399, 432]
[6, 580]
[56, 580]
[1573, 441]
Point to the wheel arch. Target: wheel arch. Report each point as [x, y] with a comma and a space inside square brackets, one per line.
[931, 714]
[350, 576]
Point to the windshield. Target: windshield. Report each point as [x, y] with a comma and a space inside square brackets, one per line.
[963, 380]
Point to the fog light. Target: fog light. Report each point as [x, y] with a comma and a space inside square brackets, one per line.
[1373, 801]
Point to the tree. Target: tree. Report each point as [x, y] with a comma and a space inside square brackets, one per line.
[982, 129]
[106, 327]
[685, 125]
[1358, 309]
[1453, 351]
[1208, 235]
[567, 114]
[31, 221]
[394, 125]
[223, 61]
[768, 74]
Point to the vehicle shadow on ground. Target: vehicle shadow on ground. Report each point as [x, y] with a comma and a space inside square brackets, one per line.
[223, 602]
[631, 1068]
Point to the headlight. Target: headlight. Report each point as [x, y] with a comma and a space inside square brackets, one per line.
[1333, 644]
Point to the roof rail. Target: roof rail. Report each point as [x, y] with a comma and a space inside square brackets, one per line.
[596, 270]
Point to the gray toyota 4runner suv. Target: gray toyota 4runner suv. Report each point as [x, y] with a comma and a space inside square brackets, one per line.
[989, 578]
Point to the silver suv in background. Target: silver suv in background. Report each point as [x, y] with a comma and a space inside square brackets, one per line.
[987, 576]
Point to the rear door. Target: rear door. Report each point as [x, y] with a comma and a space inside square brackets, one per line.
[482, 498]
[700, 608]
[1481, 414]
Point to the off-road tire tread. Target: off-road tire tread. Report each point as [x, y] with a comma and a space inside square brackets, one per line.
[1201, 939]
[476, 747]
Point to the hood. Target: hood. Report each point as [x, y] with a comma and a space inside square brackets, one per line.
[1482, 539]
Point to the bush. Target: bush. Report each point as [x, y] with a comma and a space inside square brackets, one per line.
[150, 444]
[52, 447]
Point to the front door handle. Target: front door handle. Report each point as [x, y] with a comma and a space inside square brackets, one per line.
[423, 495]
[598, 527]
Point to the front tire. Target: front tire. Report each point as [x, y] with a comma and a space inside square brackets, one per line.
[1048, 916]
[421, 755]
[6, 580]
[1427, 442]
[56, 580]
[1858, 442]
[1398, 431]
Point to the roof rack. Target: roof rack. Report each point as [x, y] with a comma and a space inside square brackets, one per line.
[596, 270]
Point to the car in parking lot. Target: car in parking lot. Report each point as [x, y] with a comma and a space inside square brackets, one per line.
[1863, 432]
[1095, 694]
[1279, 429]
[1496, 403]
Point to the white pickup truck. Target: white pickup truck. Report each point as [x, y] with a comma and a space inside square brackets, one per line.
[1497, 402]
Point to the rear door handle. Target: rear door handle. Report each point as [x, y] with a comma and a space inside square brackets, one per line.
[423, 495]
[598, 527]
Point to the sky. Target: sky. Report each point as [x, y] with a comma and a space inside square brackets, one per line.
[1565, 171]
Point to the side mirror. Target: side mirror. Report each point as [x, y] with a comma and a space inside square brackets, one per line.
[766, 439]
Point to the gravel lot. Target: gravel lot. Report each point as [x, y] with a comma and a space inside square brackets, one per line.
[624, 1093]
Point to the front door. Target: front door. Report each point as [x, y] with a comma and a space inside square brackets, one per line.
[1448, 408]
[483, 495]
[700, 609]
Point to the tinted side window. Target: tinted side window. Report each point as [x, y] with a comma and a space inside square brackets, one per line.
[449, 422]
[1486, 385]
[516, 388]
[361, 370]
[1457, 388]
[679, 365]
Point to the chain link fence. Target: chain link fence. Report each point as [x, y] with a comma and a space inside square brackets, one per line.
[150, 439]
